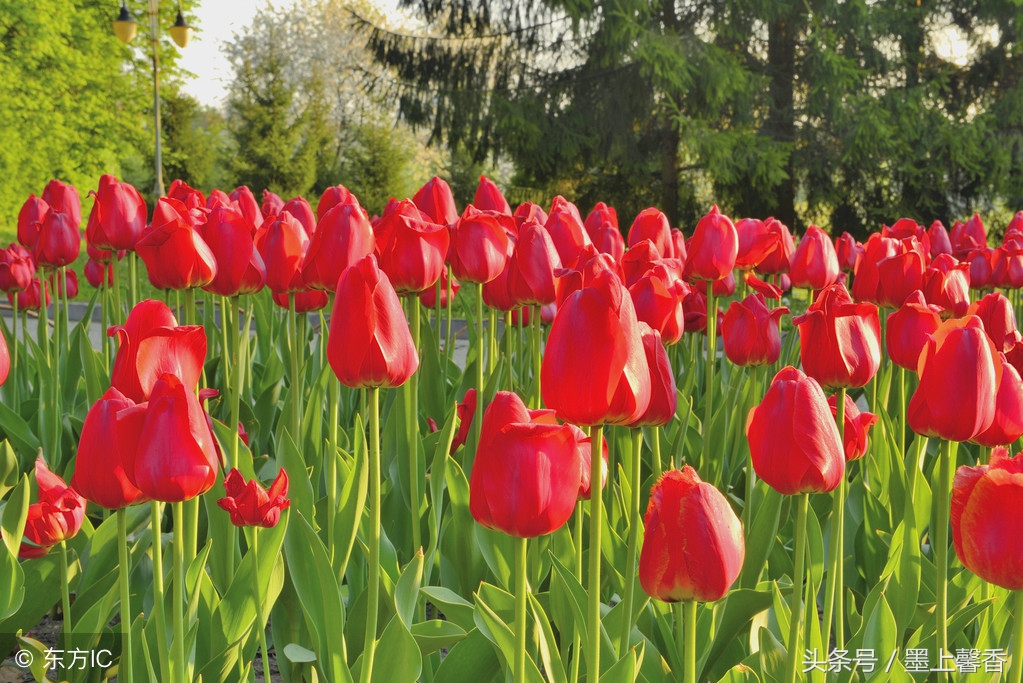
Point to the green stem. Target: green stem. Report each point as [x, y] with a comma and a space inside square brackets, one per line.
[577, 641]
[178, 594]
[510, 384]
[940, 541]
[537, 352]
[751, 475]
[709, 461]
[125, 667]
[593, 594]
[680, 639]
[833, 585]
[104, 308]
[902, 409]
[159, 602]
[1016, 672]
[65, 596]
[492, 339]
[521, 596]
[118, 312]
[477, 421]
[133, 279]
[412, 417]
[658, 467]
[633, 542]
[689, 614]
[228, 357]
[334, 398]
[14, 356]
[261, 616]
[373, 602]
[296, 380]
[794, 647]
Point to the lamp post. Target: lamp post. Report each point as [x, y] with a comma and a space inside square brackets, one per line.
[125, 28]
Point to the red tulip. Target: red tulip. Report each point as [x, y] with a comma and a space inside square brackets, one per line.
[342, 237]
[995, 311]
[1007, 425]
[240, 268]
[966, 237]
[658, 298]
[63, 198]
[778, 260]
[814, 265]
[750, 333]
[272, 204]
[525, 479]
[866, 284]
[940, 243]
[693, 547]
[411, 249]
[585, 453]
[566, 230]
[713, 247]
[331, 197]
[529, 211]
[608, 240]
[56, 517]
[532, 266]
[489, 198]
[651, 224]
[176, 457]
[605, 380]
[640, 258]
[909, 329]
[898, 277]
[497, 293]
[678, 241]
[793, 439]
[663, 393]
[282, 242]
[96, 273]
[428, 297]
[479, 246]
[986, 514]
[252, 505]
[247, 205]
[756, 242]
[176, 256]
[435, 201]
[840, 341]
[150, 343]
[59, 242]
[848, 251]
[983, 265]
[856, 427]
[186, 194]
[70, 284]
[599, 217]
[306, 300]
[29, 299]
[5, 360]
[99, 467]
[168, 210]
[118, 215]
[946, 283]
[369, 343]
[959, 378]
[17, 268]
[466, 413]
[299, 208]
[30, 219]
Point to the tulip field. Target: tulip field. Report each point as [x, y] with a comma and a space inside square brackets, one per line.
[478, 445]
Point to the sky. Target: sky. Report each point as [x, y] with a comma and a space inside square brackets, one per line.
[220, 20]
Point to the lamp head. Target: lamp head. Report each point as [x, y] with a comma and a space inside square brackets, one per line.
[180, 31]
[125, 26]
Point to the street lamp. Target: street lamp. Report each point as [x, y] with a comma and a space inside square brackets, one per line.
[125, 28]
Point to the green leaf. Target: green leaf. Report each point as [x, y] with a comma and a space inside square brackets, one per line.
[731, 616]
[623, 671]
[498, 550]
[435, 634]
[549, 654]
[760, 539]
[399, 658]
[9, 470]
[15, 515]
[473, 659]
[881, 633]
[18, 433]
[318, 593]
[406, 591]
[351, 502]
[297, 653]
[454, 607]
[301, 489]
[12, 584]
